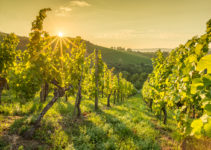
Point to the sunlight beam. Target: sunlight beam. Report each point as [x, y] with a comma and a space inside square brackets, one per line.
[57, 41]
[70, 42]
[38, 53]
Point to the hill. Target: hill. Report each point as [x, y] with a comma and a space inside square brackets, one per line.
[112, 57]
[23, 40]
[134, 66]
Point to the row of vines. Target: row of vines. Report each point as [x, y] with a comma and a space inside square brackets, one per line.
[58, 65]
[182, 82]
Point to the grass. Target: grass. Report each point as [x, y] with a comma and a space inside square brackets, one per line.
[129, 125]
[117, 57]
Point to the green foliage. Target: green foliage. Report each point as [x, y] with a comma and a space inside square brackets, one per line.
[71, 66]
[129, 63]
[20, 126]
[31, 66]
[52, 134]
[182, 81]
[17, 108]
[204, 63]
[7, 53]
[4, 144]
[24, 81]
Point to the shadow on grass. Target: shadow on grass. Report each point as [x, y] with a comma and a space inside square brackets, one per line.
[125, 133]
[84, 134]
[64, 108]
[12, 136]
[49, 133]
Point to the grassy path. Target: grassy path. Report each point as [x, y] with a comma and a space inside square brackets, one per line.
[129, 125]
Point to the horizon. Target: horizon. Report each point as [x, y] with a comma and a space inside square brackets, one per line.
[135, 25]
[136, 49]
[144, 50]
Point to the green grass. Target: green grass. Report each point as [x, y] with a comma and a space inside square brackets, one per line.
[129, 125]
[114, 57]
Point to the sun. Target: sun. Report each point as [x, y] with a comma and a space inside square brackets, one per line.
[60, 34]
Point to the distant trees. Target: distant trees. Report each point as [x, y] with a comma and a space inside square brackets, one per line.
[121, 48]
[137, 74]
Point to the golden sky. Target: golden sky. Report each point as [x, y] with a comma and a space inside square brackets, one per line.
[126, 23]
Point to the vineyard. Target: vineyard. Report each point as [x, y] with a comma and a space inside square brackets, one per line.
[182, 82]
[56, 94]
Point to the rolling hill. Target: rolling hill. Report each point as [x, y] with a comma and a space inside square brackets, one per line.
[110, 56]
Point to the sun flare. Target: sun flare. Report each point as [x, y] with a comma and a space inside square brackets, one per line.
[60, 34]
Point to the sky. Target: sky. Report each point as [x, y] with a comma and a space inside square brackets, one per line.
[136, 24]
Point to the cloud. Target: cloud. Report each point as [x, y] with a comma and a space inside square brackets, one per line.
[64, 10]
[79, 3]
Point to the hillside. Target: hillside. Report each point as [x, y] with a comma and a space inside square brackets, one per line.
[23, 40]
[110, 56]
[134, 66]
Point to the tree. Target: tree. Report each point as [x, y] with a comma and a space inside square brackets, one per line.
[31, 71]
[115, 88]
[79, 65]
[98, 66]
[58, 71]
[39, 42]
[108, 77]
[96, 79]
